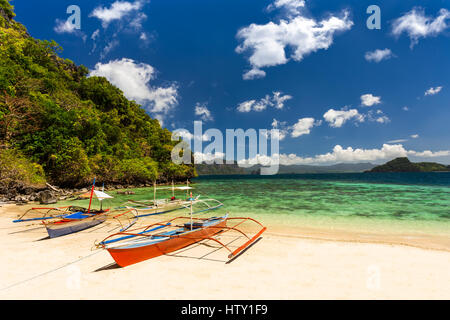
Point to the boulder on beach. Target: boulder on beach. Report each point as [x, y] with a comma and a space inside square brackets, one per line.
[46, 197]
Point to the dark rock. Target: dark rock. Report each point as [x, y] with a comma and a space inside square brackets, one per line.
[46, 197]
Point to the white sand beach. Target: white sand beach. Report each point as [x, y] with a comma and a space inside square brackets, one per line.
[278, 266]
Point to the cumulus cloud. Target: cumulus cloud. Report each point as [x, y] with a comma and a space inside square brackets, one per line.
[134, 80]
[337, 118]
[292, 7]
[433, 91]
[277, 101]
[417, 25]
[267, 43]
[187, 136]
[209, 158]
[377, 116]
[117, 11]
[202, 110]
[345, 155]
[304, 126]
[64, 26]
[369, 100]
[378, 55]
[279, 130]
[349, 154]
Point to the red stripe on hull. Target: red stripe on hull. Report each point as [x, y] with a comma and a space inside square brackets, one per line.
[126, 257]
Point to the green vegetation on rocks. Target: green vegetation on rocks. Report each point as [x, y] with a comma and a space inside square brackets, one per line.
[404, 165]
[68, 127]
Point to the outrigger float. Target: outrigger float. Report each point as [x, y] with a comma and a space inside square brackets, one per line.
[62, 221]
[133, 246]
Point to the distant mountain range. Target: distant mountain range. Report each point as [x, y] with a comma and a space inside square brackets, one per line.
[230, 169]
[404, 165]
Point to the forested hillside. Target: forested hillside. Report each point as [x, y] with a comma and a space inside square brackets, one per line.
[61, 126]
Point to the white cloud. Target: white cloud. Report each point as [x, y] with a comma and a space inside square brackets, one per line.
[143, 36]
[388, 151]
[277, 101]
[202, 110]
[347, 155]
[416, 25]
[405, 108]
[377, 116]
[369, 100]
[95, 34]
[337, 118]
[303, 126]
[433, 91]
[109, 47]
[267, 43]
[64, 27]
[134, 80]
[254, 74]
[187, 136]
[116, 11]
[378, 55]
[136, 22]
[279, 130]
[291, 6]
[246, 106]
[217, 157]
[413, 136]
[397, 141]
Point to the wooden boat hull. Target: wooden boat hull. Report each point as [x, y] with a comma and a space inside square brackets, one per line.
[64, 227]
[128, 256]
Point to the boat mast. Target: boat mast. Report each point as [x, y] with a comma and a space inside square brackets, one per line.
[101, 202]
[191, 210]
[154, 192]
[92, 193]
[173, 189]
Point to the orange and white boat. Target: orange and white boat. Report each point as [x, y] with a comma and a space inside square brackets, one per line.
[157, 239]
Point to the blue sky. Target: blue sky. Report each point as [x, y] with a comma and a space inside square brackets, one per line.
[174, 56]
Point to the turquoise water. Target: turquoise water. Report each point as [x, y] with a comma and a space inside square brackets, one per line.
[337, 195]
[379, 202]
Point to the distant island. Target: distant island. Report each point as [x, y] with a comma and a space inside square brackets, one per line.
[404, 165]
[232, 169]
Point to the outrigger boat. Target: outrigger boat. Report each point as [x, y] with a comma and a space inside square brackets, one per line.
[146, 208]
[130, 247]
[66, 220]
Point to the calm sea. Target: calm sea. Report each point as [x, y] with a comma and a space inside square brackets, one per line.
[379, 202]
[412, 202]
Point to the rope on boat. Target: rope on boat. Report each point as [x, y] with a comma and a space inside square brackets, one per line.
[47, 272]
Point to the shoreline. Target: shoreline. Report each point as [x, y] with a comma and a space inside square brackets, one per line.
[279, 266]
[425, 241]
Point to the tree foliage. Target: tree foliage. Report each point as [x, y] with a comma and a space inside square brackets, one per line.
[76, 127]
